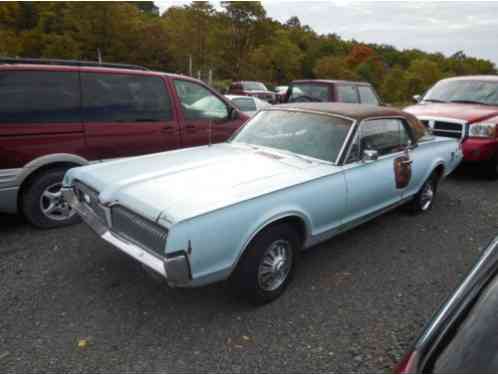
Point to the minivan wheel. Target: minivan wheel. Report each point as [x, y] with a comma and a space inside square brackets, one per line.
[42, 202]
[267, 266]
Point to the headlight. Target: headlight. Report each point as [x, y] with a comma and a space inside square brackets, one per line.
[482, 130]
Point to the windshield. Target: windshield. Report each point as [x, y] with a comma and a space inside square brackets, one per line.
[461, 91]
[309, 92]
[256, 86]
[314, 135]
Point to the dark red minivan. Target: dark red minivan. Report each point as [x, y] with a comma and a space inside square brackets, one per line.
[55, 115]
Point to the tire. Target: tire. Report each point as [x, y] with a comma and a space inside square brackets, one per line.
[491, 168]
[424, 199]
[251, 277]
[42, 204]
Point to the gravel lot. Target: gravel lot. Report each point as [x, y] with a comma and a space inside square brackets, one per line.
[70, 303]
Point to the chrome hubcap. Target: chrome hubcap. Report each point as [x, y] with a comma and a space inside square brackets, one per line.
[427, 196]
[275, 266]
[53, 205]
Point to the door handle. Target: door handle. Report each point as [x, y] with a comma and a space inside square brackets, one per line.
[190, 127]
[407, 162]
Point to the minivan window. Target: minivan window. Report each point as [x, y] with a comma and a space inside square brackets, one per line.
[367, 95]
[347, 94]
[39, 97]
[124, 98]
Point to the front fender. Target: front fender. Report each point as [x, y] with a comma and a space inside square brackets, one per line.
[217, 240]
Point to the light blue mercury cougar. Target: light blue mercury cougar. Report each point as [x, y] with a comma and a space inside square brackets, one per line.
[293, 176]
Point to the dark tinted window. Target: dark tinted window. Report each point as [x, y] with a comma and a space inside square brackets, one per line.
[28, 97]
[347, 94]
[367, 96]
[117, 97]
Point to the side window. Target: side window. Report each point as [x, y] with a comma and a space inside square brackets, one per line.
[384, 135]
[304, 92]
[198, 103]
[367, 95]
[347, 94]
[126, 98]
[39, 97]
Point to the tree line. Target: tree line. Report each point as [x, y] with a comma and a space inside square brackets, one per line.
[236, 42]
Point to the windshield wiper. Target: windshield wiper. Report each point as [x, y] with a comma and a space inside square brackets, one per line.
[434, 101]
[468, 102]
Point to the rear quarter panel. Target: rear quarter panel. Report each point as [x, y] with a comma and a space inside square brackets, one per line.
[428, 155]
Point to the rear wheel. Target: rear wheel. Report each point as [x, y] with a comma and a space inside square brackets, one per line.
[425, 197]
[268, 264]
[43, 204]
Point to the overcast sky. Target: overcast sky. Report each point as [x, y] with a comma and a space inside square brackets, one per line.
[445, 27]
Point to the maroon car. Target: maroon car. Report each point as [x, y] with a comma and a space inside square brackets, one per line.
[252, 88]
[465, 108]
[55, 115]
[326, 90]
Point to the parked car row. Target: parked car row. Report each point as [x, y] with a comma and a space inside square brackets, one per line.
[464, 108]
[239, 210]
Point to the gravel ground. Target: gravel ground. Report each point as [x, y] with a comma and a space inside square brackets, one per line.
[71, 303]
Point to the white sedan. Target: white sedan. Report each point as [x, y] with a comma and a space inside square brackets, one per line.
[248, 104]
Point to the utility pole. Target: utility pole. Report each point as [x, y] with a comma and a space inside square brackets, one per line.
[190, 65]
[99, 56]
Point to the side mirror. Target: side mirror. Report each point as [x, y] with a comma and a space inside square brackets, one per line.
[233, 114]
[370, 155]
[417, 98]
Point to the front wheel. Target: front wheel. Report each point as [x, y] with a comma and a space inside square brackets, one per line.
[425, 197]
[43, 204]
[268, 264]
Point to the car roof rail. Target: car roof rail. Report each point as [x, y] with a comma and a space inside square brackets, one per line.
[22, 60]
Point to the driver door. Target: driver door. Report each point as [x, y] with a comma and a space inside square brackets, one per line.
[374, 185]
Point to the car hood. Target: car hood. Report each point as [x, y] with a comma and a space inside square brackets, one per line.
[467, 112]
[181, 184]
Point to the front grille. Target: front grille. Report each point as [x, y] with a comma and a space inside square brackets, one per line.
[90, 198]
[445, 128]
[136, 229]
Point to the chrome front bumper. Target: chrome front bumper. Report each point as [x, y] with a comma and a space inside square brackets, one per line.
[175, 268]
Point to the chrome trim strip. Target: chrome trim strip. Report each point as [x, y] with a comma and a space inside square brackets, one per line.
[95, 223]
